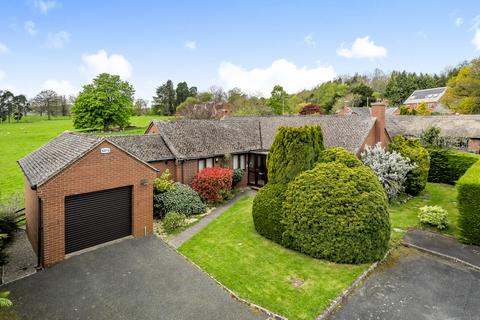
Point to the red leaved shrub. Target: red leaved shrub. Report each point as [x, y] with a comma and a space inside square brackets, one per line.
[213, 183]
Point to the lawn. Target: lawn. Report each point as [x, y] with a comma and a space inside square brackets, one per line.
[263, 272]
[404, 216]
[19, 139]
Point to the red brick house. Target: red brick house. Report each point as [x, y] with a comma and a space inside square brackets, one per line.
[82, 190]
[431, 97]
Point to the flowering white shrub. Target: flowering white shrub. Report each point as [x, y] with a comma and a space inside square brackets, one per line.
[391, 168]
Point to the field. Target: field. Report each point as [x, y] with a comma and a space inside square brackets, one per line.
[19, 139]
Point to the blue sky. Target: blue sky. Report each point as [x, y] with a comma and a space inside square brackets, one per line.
[251, 44]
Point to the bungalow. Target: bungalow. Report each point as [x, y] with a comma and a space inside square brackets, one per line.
[82, 190]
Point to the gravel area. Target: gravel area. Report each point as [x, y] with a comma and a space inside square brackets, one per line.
[21, 258]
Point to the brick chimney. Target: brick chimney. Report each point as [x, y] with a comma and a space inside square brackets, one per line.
[378, 111]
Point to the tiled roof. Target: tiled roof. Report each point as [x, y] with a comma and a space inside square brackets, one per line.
[467, 126]
[147, 147]
[45, 162]
[427, 95]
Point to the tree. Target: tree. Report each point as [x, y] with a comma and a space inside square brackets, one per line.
[20, 106]
[328, 93]
[6, 105]
[105, 103]
[365, 94]
[422, 109]
[46, 101]
[140, 107]
[164, 103]
[218, 94]
[277, 101]
[463, 91]
[182, 92]
[192, 92]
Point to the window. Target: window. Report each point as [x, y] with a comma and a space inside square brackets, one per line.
[239, 161]
[201, 164]
[210, 163]
[205, 163]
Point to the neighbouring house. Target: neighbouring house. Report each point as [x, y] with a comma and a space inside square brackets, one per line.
[462, 131]
[364, 111]
[311, 108]
[82, 190]
[431, 97]
[209, 110]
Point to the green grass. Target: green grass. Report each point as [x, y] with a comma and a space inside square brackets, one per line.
[261, 271]
[405, 215]
[19, 139]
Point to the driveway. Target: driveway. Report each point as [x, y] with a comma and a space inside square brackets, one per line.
[416, 286]
[133, 279]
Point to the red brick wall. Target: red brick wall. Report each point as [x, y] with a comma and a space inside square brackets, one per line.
[31, 214]
[94, 172]
[163, 165]
[152, 129]
[474, 145]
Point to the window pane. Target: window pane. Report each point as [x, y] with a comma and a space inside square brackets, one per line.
[209, 162]
[201, 164]
[242, 161]
[235, 162]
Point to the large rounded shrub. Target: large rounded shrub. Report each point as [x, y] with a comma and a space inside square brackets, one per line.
[267, 211]
[338, 154]
[413, 149]
[337, 213]
[179, 198]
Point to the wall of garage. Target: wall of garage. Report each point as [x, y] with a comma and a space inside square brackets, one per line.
[95, 171]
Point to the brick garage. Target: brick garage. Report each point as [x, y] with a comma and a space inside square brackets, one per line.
[76, 164]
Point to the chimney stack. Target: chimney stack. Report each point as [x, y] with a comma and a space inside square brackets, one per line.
[378, 111]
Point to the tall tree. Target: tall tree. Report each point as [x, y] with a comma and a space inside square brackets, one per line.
[364, 92]
[218, 94]
[181, 92]
[140, 107]
[20, 106]
[278, 100]
[105, 103]
[164, 102]
[6, 105]
[192, 91]
[46, 101]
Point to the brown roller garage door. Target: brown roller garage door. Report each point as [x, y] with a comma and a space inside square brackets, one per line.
[97, 217]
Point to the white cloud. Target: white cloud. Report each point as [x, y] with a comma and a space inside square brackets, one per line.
[30, 28]
[58, 40]
[362, 48]
[63, 87]
[476, 39]
[191, 45]
[45, 5]
[2, 75]
[100, 62]
[4, 84]
[4, 48]
[459, 21]
[281, 72]
[309, 40]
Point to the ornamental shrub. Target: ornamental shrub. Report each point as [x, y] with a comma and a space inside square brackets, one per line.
[237, 176]
[434, 215]
[294, 150]
[181, 199]
[412, 149]
[163, 183]
[267, 211]
[431, 138]
[338, 154]
[448, 166]
[173, 221]
[337, 213]
[211, 183]
[391, 168]
[468, 187]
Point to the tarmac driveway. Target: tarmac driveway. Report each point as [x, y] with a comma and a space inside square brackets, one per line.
[133, 279]
[416, 286]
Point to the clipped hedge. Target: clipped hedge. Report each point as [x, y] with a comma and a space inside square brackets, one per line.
[448, 166]
[267, 211]
[337, 213]
[468, 198]
[180, 198]
[294, 150]
[413, 149]
[338, 154]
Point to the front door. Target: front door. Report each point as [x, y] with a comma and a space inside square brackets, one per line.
[257, 170]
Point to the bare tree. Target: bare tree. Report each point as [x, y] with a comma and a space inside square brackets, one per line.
[46, 101]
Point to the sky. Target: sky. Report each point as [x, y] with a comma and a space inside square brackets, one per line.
[63, 44]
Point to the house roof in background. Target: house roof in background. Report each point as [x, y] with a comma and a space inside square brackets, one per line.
[467, 126]
[426, 95]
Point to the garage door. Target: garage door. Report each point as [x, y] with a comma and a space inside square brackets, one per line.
[97, 217]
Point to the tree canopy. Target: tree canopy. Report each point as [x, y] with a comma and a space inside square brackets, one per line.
[105, 103]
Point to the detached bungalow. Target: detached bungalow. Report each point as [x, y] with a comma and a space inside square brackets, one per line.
[82, 190]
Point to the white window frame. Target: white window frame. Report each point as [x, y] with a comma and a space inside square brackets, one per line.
[209, 163]
[239, 161]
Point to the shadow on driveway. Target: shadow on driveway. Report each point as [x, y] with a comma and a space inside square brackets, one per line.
[416, 286]
[133, 279]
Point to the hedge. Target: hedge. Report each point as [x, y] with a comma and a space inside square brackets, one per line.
[337, 213]
[267, 211]
[212, 183]
[468, 187]
[294, 150]
[338, 154]
[413, 149]
[448, 166]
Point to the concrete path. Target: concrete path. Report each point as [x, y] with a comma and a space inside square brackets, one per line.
[141, 278]
[21, 258]
[184, 236]
[416, 285]
[443, 245]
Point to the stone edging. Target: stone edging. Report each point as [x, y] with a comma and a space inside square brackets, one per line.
[441, 255]
[344, 295]
[271, 314]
